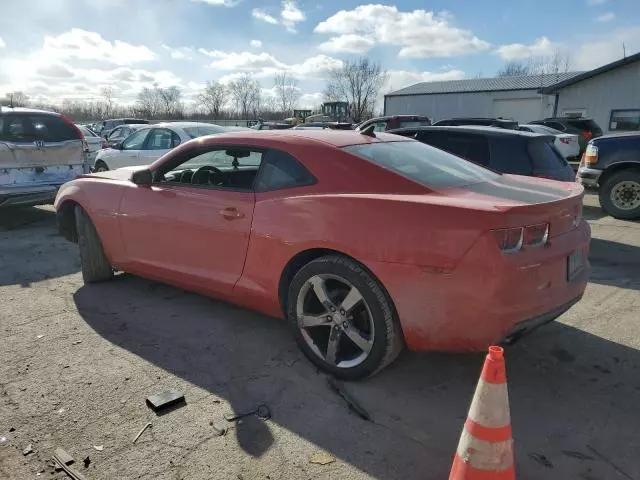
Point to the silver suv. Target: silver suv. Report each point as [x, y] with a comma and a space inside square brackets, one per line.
[39, 151]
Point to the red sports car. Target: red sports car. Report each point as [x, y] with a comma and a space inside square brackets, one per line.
[364, 242]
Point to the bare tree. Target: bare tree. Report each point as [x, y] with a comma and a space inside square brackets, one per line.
[170, 101]
[357, 82]
[107, 95]
[245, 92]
[556, 63]
[148, 103]
[16, 99]
[213, 98]
[286, 91]
[514, 68]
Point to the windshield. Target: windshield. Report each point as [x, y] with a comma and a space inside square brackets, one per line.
[86, 132]
[424, 164]
[201, 131]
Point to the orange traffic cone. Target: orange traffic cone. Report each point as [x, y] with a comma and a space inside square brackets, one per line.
[485, 450]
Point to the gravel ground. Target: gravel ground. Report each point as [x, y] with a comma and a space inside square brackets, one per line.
[77, 362]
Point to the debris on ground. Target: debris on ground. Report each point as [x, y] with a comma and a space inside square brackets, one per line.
[164, 400]
[322, 458]
[541, 459]
[28, 449]
[87, 462]
[148, 425]
[261, 411]
[219, 431]
[99, 447]
[12, 429]
[351, 402]
[64, 462]
[577, 455]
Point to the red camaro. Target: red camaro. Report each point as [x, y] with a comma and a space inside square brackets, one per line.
[363, 242]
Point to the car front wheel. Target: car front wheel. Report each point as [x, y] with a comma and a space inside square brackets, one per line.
[343, 320]
[100, 166]
[620, 195]
[95, 265]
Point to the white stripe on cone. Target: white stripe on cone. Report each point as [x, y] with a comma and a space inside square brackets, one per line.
[490, 405]
[483, 455]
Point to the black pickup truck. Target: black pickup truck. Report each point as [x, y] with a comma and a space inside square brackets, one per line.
[611, 164]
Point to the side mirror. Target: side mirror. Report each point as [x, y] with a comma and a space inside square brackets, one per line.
[142, 178]
[117, 145]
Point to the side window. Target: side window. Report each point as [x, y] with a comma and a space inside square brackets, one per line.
[159, 139]
[380, 126]
[509, 155]
[281, 170]
[175, 139]
[12, 129]
[116, 134]
[135, 141]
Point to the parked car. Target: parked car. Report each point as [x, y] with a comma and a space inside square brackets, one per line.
[39, 151]
[107, 125]
[487, 122]
[611, 164]
[118, 134]
[505, 151]
[150, 142]
[585, 128]
[392, 122]
[271, 126]
[93, 140]
[282, 224]
[566, 143]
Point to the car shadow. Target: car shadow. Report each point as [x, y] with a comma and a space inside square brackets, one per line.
[614, 263]
[593, 212]
[570, 391]
[24, 257]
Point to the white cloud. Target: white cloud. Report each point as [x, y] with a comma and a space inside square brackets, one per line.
[84, 45]
[219, 3]
[348, 43]
[180, 53]
[262, 15]
[310, 100]
[594, 3]
[419, 33]
[2, 44]
[606, 17]
[290, 15]
[256, 43]
[540, 48]
[607, 48]
[401, 78]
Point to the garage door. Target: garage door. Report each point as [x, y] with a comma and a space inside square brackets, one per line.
[520, 109]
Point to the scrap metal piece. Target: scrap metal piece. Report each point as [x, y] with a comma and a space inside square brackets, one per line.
[148, 425]
[64, 460]
[164, 400]
[261, 411]
[351, 402]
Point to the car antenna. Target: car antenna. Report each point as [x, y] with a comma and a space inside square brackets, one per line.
[369, 131]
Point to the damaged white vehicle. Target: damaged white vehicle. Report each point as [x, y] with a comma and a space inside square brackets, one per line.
[39, 151]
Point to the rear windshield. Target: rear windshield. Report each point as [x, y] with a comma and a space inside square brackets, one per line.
[545, 155]
[424, 164]
[32, 127]
[195, 132]
[544, 129]
[585, 125]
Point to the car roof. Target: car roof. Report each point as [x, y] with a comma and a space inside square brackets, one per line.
[336, 138]
[618, 135]
[472, 129]
[389, 117]
[26, 110]
[566, 119]
[186, 124]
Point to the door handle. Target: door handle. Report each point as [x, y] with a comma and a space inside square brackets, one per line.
[231, 213]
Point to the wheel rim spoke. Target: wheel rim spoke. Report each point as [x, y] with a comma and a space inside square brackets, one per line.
[351, 300]
[320, 289]
[333, 345]
[356, 337]
[307, 321]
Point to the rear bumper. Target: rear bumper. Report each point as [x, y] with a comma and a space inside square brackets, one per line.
[486, 299]
[588, 177]
[25, 197]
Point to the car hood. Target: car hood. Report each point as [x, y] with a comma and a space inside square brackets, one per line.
[121, 174]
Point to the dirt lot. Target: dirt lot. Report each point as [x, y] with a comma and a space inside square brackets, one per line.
[77, 362]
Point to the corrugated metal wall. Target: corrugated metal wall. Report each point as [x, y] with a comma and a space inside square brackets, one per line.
[476, 104]
[617, 89]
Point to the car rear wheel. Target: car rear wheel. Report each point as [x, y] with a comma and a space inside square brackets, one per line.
[101, 166]
[343, 320]
[620, 195]
[95, 265]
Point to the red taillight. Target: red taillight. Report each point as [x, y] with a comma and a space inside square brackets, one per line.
[73, 125]
[564, 140]
[536, 235]
[587, 135]
[509, 239]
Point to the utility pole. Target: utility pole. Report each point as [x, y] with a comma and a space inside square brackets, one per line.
[624, 51]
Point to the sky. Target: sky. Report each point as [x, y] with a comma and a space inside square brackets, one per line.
[57, 49]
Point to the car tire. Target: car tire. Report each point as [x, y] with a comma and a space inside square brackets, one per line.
[620, 194]
[100, 166]
[373, 318]
[95, 265]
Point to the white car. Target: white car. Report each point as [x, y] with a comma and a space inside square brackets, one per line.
[566, 143]
[94, 142]
[150, 142]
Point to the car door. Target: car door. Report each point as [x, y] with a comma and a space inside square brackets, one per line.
[128, 154]
[159, 142]
[191, 234]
